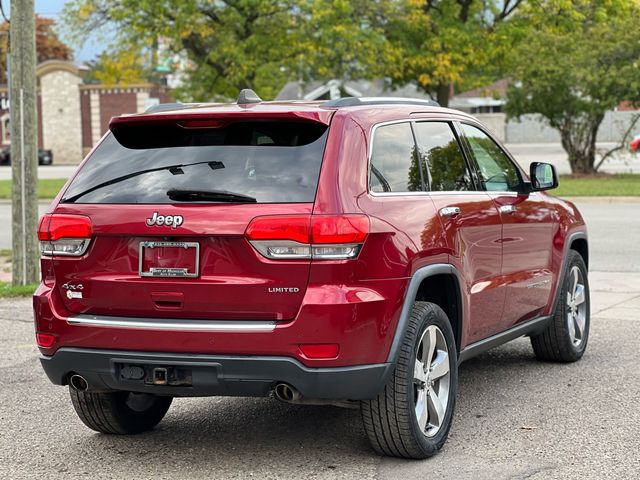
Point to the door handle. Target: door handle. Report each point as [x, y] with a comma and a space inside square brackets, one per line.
[508, 209]
[450, 211]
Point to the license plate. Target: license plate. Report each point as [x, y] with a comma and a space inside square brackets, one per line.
[169, 259]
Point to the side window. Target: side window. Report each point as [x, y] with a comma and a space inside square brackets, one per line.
[443, 157]
[497, 172]
[394, 163]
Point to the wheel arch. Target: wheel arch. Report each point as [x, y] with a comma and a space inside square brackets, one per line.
[439, 284]
[580, 245]
[576, 241]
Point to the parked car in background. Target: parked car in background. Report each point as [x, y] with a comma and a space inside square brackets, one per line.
[635, 143]
[45, 157]
[350, 252]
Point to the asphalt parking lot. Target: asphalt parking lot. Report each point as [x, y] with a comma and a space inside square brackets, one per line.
[516, 418]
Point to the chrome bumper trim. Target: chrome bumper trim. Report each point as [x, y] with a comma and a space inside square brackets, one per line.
[172, 324]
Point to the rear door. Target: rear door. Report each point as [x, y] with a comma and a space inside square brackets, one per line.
[527, 229]
[471, 224]
[169, 206]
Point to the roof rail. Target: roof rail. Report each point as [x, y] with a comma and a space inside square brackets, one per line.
[163, 107]
[355, 101]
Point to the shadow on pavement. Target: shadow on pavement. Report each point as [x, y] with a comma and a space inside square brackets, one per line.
[264, 437]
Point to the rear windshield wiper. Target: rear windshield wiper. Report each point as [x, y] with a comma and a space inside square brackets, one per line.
[174, 169]
[209, 195]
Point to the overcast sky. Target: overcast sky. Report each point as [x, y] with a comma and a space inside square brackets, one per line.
[53, 8]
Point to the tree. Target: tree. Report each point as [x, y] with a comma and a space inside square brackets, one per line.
[235, 44]
[230, 44]
[48, 45]
[576, 60]
[261, 44]
[441, 42]
[341, 39]
[119, 68]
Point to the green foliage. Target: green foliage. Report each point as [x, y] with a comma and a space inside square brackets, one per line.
[442, 42]
[261, 44]
[47, 188]
[123, 67]
[235, 44]
[342, 39]
[10, 291]
[620, 185]
[229, 44]
[575, 60]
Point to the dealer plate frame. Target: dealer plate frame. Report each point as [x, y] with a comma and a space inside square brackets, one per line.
[168, 272]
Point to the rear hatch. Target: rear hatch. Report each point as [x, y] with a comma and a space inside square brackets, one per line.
[168, 204]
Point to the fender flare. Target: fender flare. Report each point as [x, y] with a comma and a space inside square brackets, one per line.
[572, 237]
[410, 296]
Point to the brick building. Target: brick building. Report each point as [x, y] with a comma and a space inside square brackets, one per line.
[72, 115]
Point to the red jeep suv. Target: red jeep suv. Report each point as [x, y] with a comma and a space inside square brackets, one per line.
[354, 252]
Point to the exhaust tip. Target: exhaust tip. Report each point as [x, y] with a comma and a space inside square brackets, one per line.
[78, 383]
[285, 392]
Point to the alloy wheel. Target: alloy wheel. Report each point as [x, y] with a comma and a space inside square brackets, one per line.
[576, 306]
[431, 380]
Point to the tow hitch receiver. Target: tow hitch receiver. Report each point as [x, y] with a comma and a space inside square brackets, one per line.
[160, 376]
[155, 375]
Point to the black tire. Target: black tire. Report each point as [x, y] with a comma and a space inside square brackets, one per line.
[390, 419]
[556, 343]
[120, 413]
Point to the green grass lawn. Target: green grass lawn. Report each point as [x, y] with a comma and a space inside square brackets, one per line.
[47, 188]
[620, 185]
[8, 291]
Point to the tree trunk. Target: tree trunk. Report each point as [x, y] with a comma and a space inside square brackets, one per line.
[24, 143]
[443, 92]
[578, 138]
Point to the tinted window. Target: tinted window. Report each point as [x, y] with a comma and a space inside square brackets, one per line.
[394, 163]
[270, 162]
[443, 157]
[497, 172]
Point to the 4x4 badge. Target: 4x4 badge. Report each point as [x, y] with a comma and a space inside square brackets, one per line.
[173, 221]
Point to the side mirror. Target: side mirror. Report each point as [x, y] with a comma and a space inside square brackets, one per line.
[543, 176]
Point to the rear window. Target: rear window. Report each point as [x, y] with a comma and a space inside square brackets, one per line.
[261, 162]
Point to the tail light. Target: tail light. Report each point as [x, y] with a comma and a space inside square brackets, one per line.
[318, 237]
[67, 235]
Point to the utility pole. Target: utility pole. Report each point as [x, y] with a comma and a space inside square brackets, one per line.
[24, 142]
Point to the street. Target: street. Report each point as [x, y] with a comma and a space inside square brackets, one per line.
[515, 418]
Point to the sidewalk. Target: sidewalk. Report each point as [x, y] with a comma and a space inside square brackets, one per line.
[615, 295]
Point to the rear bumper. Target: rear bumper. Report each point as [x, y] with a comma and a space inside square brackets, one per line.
[215, 375]
[360, 318]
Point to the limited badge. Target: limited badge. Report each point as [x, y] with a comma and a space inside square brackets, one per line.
[71, 295]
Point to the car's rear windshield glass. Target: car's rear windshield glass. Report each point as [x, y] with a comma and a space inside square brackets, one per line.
[261, 162]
